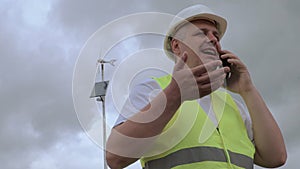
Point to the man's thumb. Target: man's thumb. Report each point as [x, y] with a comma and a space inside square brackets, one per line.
[181, 61]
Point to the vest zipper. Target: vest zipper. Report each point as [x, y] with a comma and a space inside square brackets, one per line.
[225, 148]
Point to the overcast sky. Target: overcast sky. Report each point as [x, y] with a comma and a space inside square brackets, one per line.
[41, 41]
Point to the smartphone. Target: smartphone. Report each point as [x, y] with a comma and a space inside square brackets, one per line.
[224, 64]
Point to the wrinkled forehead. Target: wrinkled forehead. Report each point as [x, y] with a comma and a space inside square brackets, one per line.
[197, 24]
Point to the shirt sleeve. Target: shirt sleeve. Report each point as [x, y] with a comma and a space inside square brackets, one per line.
[139, 97]
[246, 118]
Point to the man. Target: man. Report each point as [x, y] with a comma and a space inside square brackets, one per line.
[177, 127]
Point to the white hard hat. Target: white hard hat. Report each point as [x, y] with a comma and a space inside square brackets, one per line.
[189, 14]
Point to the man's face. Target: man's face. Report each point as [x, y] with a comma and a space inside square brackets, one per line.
[200, 39]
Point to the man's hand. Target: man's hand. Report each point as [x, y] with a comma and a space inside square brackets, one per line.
[240, 80]
[199, 81]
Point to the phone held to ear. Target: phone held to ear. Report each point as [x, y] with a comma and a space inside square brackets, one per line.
[224, 64]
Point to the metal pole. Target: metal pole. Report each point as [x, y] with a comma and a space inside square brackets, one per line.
[103, 122]
[104, 132]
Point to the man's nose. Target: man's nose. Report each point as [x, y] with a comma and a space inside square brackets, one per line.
[212, 38]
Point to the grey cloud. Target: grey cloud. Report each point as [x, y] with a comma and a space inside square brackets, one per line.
[36, 103]
[37, 63]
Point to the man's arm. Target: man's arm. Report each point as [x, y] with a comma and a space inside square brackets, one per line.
[137, 130]
[269, 143]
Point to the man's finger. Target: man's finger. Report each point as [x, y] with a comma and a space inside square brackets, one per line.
[212, 76]
[208, 67]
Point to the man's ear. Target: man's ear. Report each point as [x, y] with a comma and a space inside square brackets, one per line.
[175, 46]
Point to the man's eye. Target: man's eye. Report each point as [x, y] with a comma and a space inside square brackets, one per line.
[200, 34]
[217, 37]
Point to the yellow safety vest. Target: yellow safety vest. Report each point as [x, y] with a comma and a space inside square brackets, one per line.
[180, 146]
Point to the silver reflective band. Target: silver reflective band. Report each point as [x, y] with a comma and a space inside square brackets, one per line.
[199, 154]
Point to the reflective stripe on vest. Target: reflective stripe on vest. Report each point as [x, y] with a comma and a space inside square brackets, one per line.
[199, 154]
